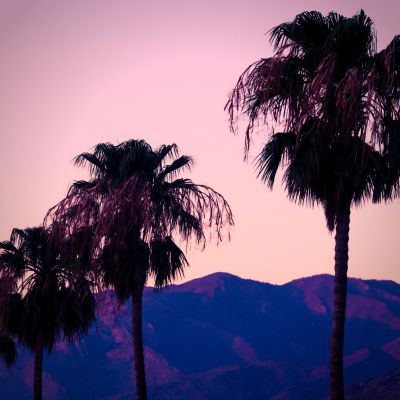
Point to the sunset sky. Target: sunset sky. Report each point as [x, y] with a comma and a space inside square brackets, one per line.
[79, 72]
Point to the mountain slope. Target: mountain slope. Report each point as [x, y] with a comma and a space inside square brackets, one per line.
[386, 387]
[225, 337]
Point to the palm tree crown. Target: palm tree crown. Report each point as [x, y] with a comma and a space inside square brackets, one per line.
[45, 296]
[134, 196]
[338, 101]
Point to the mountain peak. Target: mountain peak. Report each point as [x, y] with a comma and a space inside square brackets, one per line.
[206, 285]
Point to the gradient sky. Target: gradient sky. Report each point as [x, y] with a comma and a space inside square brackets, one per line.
[79, 72]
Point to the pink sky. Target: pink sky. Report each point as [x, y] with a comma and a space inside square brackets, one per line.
[79, 72]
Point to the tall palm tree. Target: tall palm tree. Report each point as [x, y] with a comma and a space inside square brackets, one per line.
[138, 206]
[336, 100]
[50, 298]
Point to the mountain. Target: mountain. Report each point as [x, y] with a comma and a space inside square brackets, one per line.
[221, 336]
[386, 387]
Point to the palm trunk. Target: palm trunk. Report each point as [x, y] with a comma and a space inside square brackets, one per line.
[340, 293]
[138, 345]
[38, 366]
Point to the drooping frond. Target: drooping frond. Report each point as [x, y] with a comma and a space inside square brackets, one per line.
[168, 262]
[279, 146]
[8, 350]
[12, 260]
[392, 153]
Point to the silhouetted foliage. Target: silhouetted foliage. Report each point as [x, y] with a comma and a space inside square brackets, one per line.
[8, 350]
[337, 101]
[48, 299]
[136, 206]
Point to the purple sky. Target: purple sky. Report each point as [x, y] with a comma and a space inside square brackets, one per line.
[79, 72]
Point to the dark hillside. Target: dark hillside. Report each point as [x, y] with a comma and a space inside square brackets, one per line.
[224, 337]
[386, 387]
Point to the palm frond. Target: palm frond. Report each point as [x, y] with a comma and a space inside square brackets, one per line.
[8, 350]
[167, 262]
[279, 146]
[179, 165]
[167, 151]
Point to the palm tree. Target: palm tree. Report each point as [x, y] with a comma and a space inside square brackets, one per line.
[49, 299]
[138, 206]
[336, 101]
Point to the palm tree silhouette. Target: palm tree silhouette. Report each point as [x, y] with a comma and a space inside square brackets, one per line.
[337, 101]
[138, 205]
[50, 298]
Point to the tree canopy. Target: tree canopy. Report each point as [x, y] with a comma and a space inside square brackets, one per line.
[337, 100]
[134, 191]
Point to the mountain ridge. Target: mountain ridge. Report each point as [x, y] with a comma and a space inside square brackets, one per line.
[222, 336]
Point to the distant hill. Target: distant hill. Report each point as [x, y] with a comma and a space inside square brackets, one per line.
[220, 337]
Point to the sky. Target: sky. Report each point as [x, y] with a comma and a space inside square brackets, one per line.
[81, 72]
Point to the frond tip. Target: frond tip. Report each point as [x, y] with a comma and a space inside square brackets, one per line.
[8, 350]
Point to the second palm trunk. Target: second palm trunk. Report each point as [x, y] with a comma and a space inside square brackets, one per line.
[137, 340]
[38, 366]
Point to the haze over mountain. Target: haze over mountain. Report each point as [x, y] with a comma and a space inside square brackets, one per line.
[224, 337]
